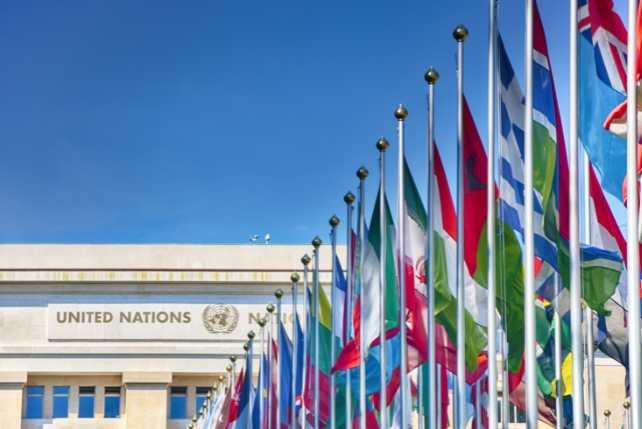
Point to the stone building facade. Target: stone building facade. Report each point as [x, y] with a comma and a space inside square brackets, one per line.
[131, 336]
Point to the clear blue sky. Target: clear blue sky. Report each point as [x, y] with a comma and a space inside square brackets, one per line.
[210, 121]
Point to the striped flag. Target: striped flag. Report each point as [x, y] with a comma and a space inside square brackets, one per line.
[338, 304]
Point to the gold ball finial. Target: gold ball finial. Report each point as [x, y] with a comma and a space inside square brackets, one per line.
[233, 358]
[626, 405]
[316, 242]
[383, 144]
[334, 221]
[305, 260]
[362, 173]
[209, 395]
[295, 278]
[201, 412]
[431, 76]
[401, 113]
[349, 198]
[205, 404]
[190, 426]
[215, 388]
[194, 419]
[262, 322]
[278, 293]
[229, 367]
[246, 347]
[271, 308]
[251, 335]
[461, 33]
[221, 378]
[607, 412]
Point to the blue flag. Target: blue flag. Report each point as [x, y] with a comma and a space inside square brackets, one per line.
[259, 396]
[244, 410]
[285, 368]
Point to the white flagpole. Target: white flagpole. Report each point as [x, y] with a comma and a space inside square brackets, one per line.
[262, 323]
[632, 223]
[233, 359]
[250, 356]
[438, 397]
[490, 219]
[401, 114]
[383, 145]
[529, 239]
[295, 346]
[559, 400]
[505, 383]
[362, 173]
[460, 34]
[279, 355]
[270, 405]
[305, 260]
[349, 199]
[334, 222]
[316, 242]
[431, 77]
[574, 242]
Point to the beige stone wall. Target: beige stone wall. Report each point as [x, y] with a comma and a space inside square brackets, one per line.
[10, 406]
[146, 406]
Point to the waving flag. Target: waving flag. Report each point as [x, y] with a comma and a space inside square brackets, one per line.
[286, 374]
[260, 396]
[338, 304]
[602, 83]
[244, 414]
[229, 412]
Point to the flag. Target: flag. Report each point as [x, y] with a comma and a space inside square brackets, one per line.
[325, 336]
[299, 363]
[508, 252]
[617, 122]
[230, 407]
[338, 304]
[286, 374]
[483, 402]
[602, 83]
[445, 257]
[371, 281]
[243, 413]
[260, 396]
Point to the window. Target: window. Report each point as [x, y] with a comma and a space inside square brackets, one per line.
[177, 402]
[34, 402]
[86, 397]
[112, 402]
[60, 402]
[201, 396]
[515, 415]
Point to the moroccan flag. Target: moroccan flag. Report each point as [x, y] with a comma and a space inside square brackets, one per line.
[325, 337]
[508, 252]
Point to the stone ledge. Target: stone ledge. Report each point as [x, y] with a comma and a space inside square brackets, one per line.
[13, 377]
[144, 377]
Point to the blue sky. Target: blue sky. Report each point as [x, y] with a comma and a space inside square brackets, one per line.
[210, 121]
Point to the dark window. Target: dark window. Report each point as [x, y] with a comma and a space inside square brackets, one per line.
[112, 402]
[60, 402]
[34, 402]
[86, 397]
[177, 402]
[201, 396]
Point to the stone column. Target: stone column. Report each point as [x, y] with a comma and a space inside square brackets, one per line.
[146, 403]
[11, 393]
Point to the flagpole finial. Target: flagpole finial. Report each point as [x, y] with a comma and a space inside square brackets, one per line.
[279, 293]
[334, 221]
[194, 419]
[271, 308]
[607, 412]
[401, 113]
[431, 76]
[190, 426]
[262, 322]
[626, 405]
[205, 404]
[305, 259]
[383, 144]
[295, 278]
[222, 378]
[349, 198]
[362, 172]
[461, 33]
[229, 367]
[201, 412]
[316, 242]
[251, 335]
[215, 387]
[209, 395]
[246, 347]
[233, 358]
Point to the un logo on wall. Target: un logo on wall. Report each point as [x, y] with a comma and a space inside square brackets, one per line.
[220, 318]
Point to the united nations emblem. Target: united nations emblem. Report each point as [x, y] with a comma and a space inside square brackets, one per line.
[220, 318]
